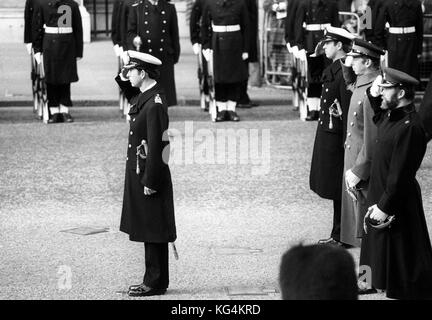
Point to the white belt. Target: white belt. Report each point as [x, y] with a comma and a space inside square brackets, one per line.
[58, 29]
[232, 28]
[317, 27]
[402, 30]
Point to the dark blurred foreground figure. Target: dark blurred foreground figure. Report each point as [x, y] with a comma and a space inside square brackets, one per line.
[317, 272]
[425, 111]
[148, 205]
[396, 244]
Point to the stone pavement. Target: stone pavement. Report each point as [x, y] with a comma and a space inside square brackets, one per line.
[97, 70]
[233, 222]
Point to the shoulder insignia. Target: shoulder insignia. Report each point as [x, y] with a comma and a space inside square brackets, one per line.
[158, 99]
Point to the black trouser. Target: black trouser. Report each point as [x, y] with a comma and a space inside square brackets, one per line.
[337, 208]
[59, 94]
[244, 98]
[227, 91]
[156, 262]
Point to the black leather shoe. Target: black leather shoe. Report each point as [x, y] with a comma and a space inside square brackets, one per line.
[55, 118]
[67, 117]
[312, 116]
[144, 291]
[232, 116]
[221, 116]
[330, 241]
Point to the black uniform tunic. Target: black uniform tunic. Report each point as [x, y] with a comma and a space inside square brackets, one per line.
[28, 18]
[328, 153]
[290, 36]
[116, 22]
[402, 48]
[148, 218]
[227, 47]
[158, 28]
[401, 256]
[60, 51]
[314, 12]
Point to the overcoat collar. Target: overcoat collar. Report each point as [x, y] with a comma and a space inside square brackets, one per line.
[143, 97]
[331, 71]
[399, 113]
[366, 79]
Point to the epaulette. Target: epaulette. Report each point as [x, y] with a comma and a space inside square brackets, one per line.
[158, 99]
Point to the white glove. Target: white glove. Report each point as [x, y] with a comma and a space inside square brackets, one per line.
[351, 179]
[207, 53]
[245, 56]
[375, 89]
[137, 42]
[282, 6]
[275, 7]
[196, 48]
[295, 51]
[125, 57]
[117, 50]
[377, 214]
[302, 55]
[120, 50]
[29, 48]
[38, 57]
[289, 47]
[349, 61]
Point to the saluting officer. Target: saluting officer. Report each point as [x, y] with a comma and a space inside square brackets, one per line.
[316, 15]
[229, 22]
[405, 36]
[362, 66]
[148, 205]
[328, 153]
[153, 29]
[61, 43]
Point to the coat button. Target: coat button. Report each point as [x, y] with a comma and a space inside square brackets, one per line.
[147, 31]
[349, 134]
[163, 31]
[127, 159]
[150, 50]
[149, 41]
[131, 133]
[321, 123]
[349, 147]
[145, 22]
[163, 12]
[322, 112]
[164, 21]
[130, 146]
[160, 49]
[326, 90]
[359, 103]
[355, 114]
[133, 119]
[352, 124]
[162, 40]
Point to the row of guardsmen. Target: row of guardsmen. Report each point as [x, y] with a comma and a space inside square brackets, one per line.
[394, 25]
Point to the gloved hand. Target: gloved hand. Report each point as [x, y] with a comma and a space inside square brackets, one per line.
[245, 56]
[29, 48]
[207, 53]
[120, 50]
[377, 214]
[38, 57]
[125, 57]
[137, 42]
[196, 48]
[375, 89]
[289, 47]
[124, 74]
[282, 6]
[295, 51]
[117, 50]
[275, 6]
[349, 61]
[351, 179]
[302, 55]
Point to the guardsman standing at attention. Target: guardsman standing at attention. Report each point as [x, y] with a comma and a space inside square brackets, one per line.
[58, 36]
[362, 66]
[153, 29]
[148, 205]
[405, 36]
[229, 22]
[316, 15]
[328, 153]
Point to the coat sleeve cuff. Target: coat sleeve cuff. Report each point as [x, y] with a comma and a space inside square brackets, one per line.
[384, 204]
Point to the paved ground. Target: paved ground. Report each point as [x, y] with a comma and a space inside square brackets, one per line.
[233, 223]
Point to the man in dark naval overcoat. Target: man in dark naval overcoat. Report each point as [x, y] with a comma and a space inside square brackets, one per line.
[148, 206]
[404, 41]
[58, 36]
[312, 17]
[229, 40]
[153, 29]
[397, 251]
[328, 153]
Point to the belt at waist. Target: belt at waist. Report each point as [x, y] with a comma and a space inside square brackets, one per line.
[317, 27]
[231, 28]
[58, 30]
[402, 30]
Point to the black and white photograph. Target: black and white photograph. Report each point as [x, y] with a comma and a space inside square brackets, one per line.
[219, 156]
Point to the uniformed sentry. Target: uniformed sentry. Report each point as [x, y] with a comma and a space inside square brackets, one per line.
[400, 256]
[363, 68]
[229, 40]
[148, 205]
[328, 153]
[153, 28]
[404, 40]
[316, 15]
[61, 47]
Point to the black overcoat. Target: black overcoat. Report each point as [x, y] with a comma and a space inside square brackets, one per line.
[227, 47]
[60, 51]
[402, 48]
[148, 218]
[116, 22]
[28, 17]
[328, 153]
[195, 21]
[252, 7]
[290, 36]
[401, 256]
[158, 28]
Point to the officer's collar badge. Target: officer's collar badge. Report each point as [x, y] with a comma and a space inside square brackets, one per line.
[158, 99]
